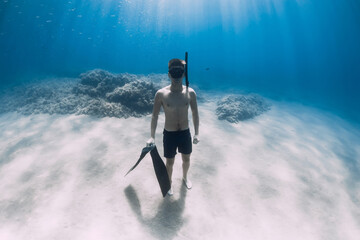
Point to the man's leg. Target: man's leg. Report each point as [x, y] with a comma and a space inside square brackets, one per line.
[169, 167]
[186, 166]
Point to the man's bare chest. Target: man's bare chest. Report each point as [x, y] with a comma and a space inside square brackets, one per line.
[176, 101]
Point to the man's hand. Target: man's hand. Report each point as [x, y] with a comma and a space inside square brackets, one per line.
[196, 139]
[150, 142]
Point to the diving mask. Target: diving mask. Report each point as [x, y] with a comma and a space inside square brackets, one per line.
[176, 72]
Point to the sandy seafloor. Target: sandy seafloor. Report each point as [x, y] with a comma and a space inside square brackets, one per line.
[290, 173]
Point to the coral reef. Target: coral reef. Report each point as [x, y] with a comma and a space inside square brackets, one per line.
[97, 83]
[137, 95]
[235, 108]
[103, 94]
[98, 93]
[121, 95]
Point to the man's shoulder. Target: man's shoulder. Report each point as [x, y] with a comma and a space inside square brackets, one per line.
[162, 91]
[191, 91]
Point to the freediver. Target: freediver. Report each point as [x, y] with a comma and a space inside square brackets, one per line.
[175, 100]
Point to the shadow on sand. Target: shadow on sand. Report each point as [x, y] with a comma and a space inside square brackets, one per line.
[168, 220]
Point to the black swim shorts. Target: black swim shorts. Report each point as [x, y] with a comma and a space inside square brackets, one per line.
[177, 139]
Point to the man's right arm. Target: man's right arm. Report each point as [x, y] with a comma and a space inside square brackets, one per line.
[155, 116]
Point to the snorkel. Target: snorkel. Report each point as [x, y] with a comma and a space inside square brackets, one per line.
[186, 70]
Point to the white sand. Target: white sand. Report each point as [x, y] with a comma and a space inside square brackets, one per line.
[291, 173]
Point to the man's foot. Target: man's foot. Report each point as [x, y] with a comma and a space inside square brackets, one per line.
[170, 192]
[187, 183]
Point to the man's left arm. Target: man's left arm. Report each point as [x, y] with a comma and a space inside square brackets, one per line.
[195, 115]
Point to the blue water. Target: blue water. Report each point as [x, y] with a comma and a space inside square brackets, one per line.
[301, 50]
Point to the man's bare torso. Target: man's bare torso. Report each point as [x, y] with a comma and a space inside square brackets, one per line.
[175, 105]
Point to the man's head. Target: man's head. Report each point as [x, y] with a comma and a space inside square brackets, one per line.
[176, 68]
